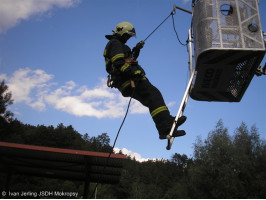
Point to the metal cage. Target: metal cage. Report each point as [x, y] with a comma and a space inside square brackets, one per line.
[228, 48]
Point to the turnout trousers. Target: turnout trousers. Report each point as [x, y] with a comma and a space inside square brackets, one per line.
[149, 96]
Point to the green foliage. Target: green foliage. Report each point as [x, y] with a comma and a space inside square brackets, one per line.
[229, 167]
[223, 166]
[100, 143]
[5, 100]
[60, 137]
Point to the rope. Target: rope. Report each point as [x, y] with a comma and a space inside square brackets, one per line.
[172, 13]
[116, 136]
[177, 34]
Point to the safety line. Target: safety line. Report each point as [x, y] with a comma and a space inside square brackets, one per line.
[173, 21]
[172, 13]
[133, 92]
[177, 34]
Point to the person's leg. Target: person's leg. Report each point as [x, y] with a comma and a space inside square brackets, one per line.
[152, 98]
[149, 96]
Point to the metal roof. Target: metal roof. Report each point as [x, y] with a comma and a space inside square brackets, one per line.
[60, 163]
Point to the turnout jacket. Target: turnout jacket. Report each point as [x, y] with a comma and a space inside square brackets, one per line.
[116, 53]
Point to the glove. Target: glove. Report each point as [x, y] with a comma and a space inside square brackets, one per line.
[140, 45]
[136, 50]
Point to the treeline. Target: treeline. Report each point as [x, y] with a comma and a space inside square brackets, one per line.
[61, 136]
[223, 165]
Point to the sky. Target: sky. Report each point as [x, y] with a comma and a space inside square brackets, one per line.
[51, 57]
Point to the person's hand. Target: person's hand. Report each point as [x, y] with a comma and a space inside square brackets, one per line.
[136, 49]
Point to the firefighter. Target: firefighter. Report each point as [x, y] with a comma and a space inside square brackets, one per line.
[122, 68]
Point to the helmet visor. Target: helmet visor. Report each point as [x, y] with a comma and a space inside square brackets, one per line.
[132, 32]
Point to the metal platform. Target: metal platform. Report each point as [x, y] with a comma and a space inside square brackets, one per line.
[229, 47]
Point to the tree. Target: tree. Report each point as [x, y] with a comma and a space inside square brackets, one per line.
[101, 143]
[250, 161]
[182, 161]
[5, 100]
[213, 175]
[229, 167]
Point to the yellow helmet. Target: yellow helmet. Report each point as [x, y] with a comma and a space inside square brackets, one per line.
[125, 27]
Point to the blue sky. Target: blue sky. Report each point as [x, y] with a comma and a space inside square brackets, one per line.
[51, 56]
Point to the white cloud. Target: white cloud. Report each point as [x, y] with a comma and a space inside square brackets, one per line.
[137, 108]
[3, 77]
[170, 104]
[24, 82]
[132, 154]
[137, 156]
[13, 11]
[36, 89]
[98, 102]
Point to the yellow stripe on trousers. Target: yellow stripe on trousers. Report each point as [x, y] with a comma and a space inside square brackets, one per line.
[158, 110]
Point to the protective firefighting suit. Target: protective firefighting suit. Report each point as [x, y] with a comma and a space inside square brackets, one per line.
[121, 67]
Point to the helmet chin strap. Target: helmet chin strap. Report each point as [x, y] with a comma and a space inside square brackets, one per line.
[124, 38]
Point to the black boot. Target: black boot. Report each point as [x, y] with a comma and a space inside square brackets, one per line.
[164, 127]
[176, 133]
[181, 120]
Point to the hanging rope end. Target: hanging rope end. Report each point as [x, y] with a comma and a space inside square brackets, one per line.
[109, 81]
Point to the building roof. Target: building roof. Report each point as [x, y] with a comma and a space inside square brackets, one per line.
[60, 163]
